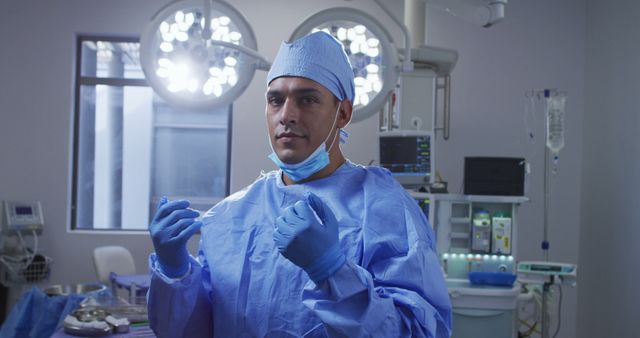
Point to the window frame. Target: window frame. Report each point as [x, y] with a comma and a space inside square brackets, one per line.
[79, 82]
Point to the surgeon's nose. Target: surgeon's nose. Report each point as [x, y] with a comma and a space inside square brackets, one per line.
[289, 113]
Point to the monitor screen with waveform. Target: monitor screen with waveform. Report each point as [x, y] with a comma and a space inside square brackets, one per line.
[408, 157]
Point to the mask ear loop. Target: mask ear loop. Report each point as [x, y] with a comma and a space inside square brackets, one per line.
[331, 130]
[268, 136]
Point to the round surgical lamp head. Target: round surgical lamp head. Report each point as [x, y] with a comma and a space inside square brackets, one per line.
[191, 66]
[370, 49]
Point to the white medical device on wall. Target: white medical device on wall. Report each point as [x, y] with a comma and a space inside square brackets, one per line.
[434, 65]
[22, 216]
[21, 263]
[199, 54]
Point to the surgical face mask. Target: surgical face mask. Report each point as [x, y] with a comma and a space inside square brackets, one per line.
[317, 161]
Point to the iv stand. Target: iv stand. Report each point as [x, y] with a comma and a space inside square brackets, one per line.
[545, 242]
[546, 93]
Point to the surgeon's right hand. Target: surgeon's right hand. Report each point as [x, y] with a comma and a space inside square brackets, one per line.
[172, 226]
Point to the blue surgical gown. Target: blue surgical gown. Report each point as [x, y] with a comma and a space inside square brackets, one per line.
[241, 286]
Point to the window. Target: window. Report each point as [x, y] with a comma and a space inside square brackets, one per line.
[131, 147]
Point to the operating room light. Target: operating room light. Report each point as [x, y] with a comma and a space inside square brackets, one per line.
[370, 49]
[199, 59]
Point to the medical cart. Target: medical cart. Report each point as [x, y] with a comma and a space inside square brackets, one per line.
[477, 234]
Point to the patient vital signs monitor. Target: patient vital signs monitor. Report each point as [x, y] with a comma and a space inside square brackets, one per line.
[408, 155]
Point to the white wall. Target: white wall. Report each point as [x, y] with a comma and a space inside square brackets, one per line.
[608, 300]
[539, 44]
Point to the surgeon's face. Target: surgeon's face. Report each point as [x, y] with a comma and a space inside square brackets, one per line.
[300, 113]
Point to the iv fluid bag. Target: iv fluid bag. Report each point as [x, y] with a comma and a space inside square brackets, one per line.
[555, 122]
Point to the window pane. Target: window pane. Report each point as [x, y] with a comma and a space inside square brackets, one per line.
[132, 147]
[190, 164]
[136, 156]
[111, 59]
[116, 135]
[108, 157]
[167, 115]
[85, 158]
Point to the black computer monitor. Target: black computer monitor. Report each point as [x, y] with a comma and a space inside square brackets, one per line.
[408, 155]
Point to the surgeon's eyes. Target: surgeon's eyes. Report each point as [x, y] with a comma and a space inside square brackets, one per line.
[306, 100]
[275, 101]
[302, 101]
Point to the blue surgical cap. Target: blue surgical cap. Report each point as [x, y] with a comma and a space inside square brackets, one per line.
[318, 57]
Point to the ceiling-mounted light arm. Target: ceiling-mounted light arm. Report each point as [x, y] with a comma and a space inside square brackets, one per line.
[261, 62]
[206, 32]
[485, 13]
[407, 64]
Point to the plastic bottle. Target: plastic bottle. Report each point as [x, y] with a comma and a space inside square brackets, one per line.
[555, 122]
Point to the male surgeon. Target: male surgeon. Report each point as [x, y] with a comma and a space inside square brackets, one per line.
[321, 247]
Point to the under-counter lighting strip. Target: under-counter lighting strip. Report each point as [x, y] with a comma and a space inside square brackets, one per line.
[477, 257]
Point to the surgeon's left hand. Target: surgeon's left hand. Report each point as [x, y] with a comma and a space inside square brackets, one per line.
[310, 241]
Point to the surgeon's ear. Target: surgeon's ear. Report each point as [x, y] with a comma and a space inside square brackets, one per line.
[344, 115]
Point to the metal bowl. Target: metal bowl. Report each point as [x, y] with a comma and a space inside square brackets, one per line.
[82, 289]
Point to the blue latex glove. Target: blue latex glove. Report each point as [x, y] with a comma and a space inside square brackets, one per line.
[310, 241]
[172, 226]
